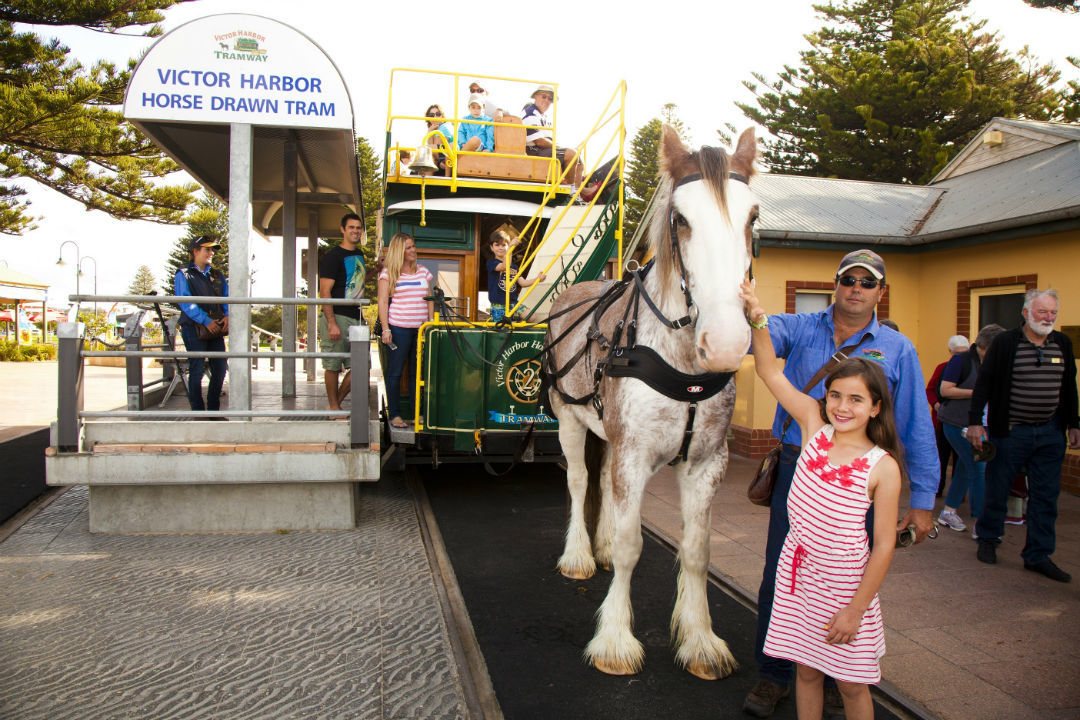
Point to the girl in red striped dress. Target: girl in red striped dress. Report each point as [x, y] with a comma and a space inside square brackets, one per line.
[826, 616]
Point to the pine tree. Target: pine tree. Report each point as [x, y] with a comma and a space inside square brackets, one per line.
[210, 217]
[1062, 5]
[642, 168]
[59, 125]
[891, 89]
[143, 282]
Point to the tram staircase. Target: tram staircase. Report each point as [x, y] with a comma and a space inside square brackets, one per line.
[593, 245]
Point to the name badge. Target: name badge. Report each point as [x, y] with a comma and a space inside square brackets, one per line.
[1055, 361]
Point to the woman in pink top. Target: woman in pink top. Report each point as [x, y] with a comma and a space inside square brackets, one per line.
[403, 285]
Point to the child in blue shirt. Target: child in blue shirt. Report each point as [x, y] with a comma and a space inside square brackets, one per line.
[496, 267]
[472, 136]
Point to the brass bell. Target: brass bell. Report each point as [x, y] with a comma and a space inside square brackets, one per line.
[424, 164]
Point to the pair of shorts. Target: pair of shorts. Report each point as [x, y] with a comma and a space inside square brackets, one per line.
[341, 345]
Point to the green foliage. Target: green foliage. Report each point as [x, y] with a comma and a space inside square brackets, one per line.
[891, 89]
[143, 282]
[209, 217]
[10, 351]
[642, 168]
[97, 325]
[58, 120]
[1070, 95]
[1062, 5]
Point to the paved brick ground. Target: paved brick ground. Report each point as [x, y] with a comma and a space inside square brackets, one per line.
[299, 625]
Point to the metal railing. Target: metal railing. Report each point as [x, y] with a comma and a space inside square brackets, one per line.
[71, 353]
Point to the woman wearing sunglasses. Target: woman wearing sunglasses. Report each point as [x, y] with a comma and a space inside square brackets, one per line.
[436, 120]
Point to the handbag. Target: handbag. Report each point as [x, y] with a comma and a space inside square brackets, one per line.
[761, 487]
[204, 333]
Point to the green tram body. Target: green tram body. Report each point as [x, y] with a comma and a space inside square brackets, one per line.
[468, 410]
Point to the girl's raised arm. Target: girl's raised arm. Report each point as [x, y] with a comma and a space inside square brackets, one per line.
[802, 408]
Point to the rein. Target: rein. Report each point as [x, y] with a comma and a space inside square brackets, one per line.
[633, 361]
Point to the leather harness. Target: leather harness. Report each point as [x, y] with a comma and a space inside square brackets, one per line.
[624, 357]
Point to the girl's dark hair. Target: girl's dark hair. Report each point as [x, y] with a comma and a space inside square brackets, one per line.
[881, 429]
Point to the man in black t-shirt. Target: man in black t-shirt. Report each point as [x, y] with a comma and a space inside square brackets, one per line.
[341, 275]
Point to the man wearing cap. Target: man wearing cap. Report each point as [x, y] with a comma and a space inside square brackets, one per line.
[198, 278]
[1028, 378]
[538, 140]
[807, 341]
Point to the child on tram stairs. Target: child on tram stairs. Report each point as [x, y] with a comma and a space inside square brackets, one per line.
[826, 616]
[472, 136]
[496, 268]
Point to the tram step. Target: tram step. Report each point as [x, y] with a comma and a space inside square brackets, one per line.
[212, 448]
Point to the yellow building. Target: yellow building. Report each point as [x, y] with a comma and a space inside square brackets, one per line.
[1001, 218]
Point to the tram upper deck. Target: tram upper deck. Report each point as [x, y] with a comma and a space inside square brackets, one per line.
[452, 213]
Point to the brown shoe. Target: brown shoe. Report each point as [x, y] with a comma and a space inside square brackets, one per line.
[761, 702]
[833, 709]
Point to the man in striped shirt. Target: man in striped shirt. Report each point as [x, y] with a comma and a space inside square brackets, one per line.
[1028, 378]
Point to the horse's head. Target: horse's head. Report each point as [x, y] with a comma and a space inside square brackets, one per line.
[707, 218]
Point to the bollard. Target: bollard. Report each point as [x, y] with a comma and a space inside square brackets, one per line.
[69, 340]
[254, 348]
[360, 360]
[273, 349]
[133, 341]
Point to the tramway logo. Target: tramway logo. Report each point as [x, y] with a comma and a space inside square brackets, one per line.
[240, 45]
[520, 377]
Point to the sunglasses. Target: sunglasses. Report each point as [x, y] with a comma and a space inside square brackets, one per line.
[476, 89]
[849, 281]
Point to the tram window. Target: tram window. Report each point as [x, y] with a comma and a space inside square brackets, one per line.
[447, 273]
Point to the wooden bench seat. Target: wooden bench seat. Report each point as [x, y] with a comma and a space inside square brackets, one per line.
[509, 140]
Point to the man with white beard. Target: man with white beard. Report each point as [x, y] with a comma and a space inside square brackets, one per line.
[1028, 377]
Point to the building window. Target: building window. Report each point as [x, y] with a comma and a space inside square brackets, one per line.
[811, 301]
[991, 300]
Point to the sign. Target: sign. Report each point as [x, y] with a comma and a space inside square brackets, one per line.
[239, 69]
[515, 383]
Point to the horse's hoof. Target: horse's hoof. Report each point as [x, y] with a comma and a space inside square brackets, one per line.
[576, 574]
[708, 671]
[614, 668]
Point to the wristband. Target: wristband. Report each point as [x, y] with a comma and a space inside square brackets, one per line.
[762, 323]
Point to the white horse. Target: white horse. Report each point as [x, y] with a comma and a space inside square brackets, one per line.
[701, 236]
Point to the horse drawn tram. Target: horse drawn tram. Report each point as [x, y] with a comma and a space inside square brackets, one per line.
[476, 393]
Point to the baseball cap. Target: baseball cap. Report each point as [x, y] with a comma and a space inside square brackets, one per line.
[476, 98]
[865, 259]
[203, 241]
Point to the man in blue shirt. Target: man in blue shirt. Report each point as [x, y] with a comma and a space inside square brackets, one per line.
[807, 341]
[198, 278]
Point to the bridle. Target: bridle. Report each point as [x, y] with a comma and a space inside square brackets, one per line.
[690, 319]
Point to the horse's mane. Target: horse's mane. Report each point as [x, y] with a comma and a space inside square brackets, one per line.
[712, 163]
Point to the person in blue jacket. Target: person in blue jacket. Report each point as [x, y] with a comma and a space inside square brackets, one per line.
[474, 136]
[198, 278]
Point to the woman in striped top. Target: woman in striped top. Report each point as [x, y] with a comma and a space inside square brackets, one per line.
[826, 616]
[403, 285]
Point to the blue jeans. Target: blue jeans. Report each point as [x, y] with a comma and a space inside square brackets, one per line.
[1041, 448]
[398, 361]
[197, 366]
[779, 670]
[967, 474]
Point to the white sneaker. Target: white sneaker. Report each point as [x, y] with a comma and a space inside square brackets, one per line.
[950, 518]
[974, 535]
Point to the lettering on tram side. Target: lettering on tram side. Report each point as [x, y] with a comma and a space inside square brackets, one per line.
[517, 373]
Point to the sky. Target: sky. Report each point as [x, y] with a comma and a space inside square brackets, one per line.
[694, 54]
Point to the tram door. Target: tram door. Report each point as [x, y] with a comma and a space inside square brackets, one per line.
[446, 246]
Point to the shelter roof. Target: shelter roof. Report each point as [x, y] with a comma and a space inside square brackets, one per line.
[1036, 183]
[15, 285]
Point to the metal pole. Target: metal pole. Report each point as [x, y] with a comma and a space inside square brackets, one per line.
[241, 138]
[69, 339]
[360, 360]
[312, 275]
[133, 342]
[288, 268]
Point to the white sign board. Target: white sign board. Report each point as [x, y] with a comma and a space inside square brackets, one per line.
[238, 69]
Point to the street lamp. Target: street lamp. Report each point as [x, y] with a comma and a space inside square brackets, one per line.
[81, 261]
[60, 261]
